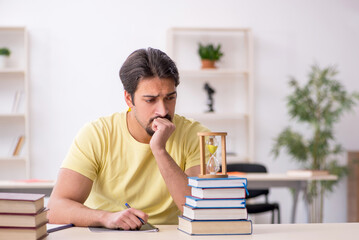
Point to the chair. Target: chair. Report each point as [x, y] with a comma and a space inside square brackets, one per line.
[256, 207]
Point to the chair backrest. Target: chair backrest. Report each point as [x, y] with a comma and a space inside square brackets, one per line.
[249, 168]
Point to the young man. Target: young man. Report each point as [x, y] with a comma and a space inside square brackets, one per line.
[141, 157]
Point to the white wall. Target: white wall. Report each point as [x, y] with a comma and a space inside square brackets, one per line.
[77, 48]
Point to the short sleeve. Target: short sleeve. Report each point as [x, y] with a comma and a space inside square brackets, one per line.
[86, 152]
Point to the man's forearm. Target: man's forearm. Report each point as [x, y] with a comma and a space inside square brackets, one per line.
[175, 179]
[65, 211]
[66, 205]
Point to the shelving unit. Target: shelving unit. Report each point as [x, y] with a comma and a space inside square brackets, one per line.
[232, 80]
[14, 122]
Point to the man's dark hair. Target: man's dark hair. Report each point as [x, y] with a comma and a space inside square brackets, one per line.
[146, 63]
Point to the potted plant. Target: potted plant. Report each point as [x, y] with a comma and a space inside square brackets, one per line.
[4, 54]
[209, 54]
[319, 104]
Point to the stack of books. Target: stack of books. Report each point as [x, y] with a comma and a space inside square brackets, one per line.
[217, 206]
[22, 216]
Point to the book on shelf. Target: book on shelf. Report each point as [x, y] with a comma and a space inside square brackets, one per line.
[34, 180]
[21, 202]
[233, 192]
[23, 219]
[230, 181]
[214, 227]
[19, 145]
[215, 203]
[17, 101]
[307, 173]
[214, 213]
[21, 233]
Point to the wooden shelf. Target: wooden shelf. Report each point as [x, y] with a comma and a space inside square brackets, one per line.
[12, 115]
[12, 70]
[182, 30]
[233, 95]
[17, 159]
[213, 72]
[215, 116]
[14, 28]
[14, 86]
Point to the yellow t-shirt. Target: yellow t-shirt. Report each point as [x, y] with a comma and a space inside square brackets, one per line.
[124, 170]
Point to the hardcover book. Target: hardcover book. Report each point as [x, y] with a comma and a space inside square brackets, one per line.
[214, 213]
[23, 220]
[21, 202]
[215, 203]
[230, 181]
[214, 227]
[218, 192]
[21, 233]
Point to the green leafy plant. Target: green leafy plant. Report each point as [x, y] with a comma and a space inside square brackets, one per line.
[5, 52]
[319, 104]
[210, 52]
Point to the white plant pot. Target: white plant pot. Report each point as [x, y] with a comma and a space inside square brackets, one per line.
[3, 61]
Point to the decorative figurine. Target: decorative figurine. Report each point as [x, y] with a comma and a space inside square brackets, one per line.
[210, 92]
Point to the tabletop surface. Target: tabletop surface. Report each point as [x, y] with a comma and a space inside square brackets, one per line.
[327, 231]
[250, 177]
[285, 177]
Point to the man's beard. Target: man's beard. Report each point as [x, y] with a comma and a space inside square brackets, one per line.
[149, 125]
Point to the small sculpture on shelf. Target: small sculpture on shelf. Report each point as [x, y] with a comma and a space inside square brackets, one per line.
[210, 92]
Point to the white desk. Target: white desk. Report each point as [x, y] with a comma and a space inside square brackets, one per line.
[255, 181]
[299, 184]
[328, 231]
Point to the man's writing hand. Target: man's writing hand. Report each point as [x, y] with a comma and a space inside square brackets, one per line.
[126, 219]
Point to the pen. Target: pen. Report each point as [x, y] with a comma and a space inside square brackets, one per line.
[59, 228]
[128, 206]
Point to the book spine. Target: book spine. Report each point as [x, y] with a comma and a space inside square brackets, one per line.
[18, 147]
[207, 193]
[17, 100]
[212, 234]
[214, 207]
[210, 207]
[243, 186]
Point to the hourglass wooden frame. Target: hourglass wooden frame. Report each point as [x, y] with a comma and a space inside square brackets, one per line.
[202, 144]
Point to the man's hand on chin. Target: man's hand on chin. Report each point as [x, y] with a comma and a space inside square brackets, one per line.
[163, 129]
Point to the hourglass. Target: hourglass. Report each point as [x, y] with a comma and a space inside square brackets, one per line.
[212, 165]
